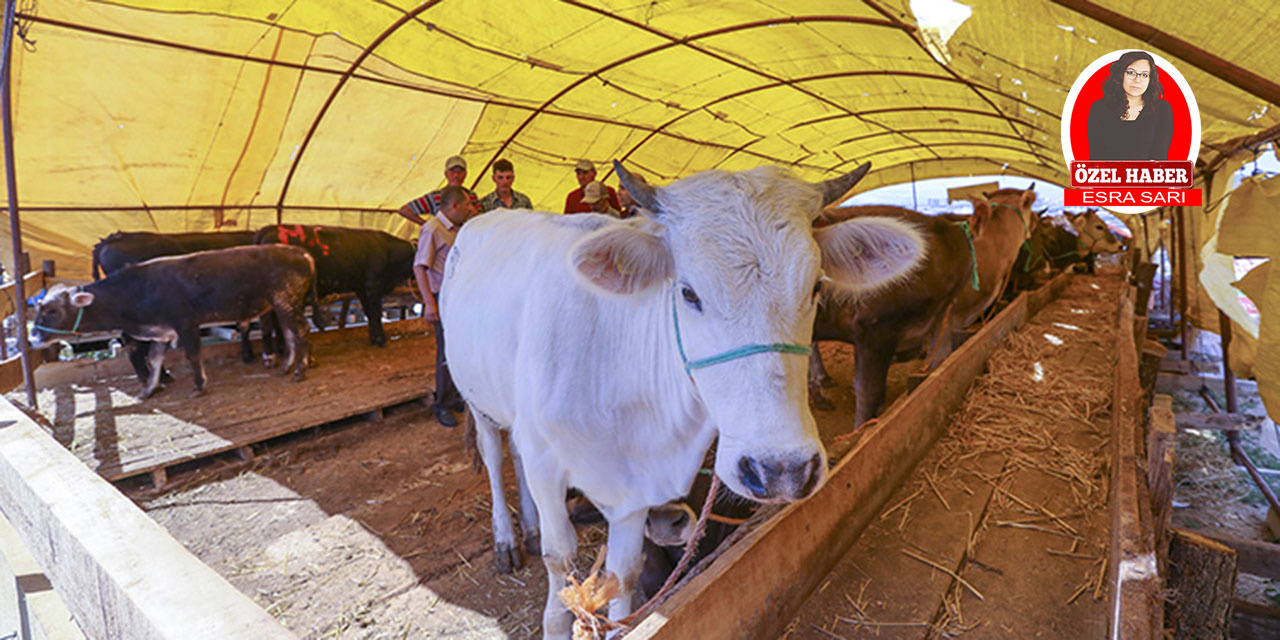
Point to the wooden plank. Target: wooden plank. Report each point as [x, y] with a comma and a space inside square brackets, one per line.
[11, 374]
[1251, 621]
[1133, 571]
[120, 573]
[120, 436]
[1171, 381]
[32, 282]
[1160, 458]
[775, 568]
[1202, 582]
[1219, 421]
[1256, 557]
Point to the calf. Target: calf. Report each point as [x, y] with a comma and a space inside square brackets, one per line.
[362, 261]
[167, 298]
[122, 249]
[904, 318]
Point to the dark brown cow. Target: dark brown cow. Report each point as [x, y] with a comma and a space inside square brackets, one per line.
[167, 298]
[907, 317]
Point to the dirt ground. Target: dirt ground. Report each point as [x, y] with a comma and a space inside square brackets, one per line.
[381, 529]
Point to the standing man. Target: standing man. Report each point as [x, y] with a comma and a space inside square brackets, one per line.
[503, 195]
[419, 209]
[586, 172]
[434, 242]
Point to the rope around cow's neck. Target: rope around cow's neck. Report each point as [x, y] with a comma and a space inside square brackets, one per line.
[968, 235]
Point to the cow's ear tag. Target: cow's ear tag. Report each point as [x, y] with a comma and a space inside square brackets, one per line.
[81, 299]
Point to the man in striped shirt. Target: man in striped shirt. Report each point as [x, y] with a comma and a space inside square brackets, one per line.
[419, 209]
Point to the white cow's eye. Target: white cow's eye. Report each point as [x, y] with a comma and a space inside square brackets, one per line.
[691, 297]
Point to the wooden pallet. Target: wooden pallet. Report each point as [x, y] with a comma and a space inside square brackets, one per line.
[95, 411]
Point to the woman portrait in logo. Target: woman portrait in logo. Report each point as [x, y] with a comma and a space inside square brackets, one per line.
[1131, 121]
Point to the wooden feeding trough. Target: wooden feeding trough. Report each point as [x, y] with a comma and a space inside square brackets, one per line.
[759, 586]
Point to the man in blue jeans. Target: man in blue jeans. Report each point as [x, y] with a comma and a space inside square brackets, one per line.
[434, 241]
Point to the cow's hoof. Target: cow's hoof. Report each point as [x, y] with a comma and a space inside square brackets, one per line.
[507, 558]
[533, 544]
[299, 376]
[165, 378]
[269, 362]
[196, 393]
[379, 341]
[821, 403]
[147, 393]
[248, 358]
[827, 381]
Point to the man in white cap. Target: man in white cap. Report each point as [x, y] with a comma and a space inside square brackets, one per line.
[595, 196]
[586, 172]
[419, 209]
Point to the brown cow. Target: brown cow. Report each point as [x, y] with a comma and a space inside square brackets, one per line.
[905, 318]
[1005, 221]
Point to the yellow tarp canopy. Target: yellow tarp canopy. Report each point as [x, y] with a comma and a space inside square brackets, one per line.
[199, 115]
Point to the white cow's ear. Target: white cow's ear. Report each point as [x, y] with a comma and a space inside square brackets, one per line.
[864, 253]
[620, 260]
[81, 299]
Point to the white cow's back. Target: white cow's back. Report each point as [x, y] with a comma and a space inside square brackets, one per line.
[598, 375]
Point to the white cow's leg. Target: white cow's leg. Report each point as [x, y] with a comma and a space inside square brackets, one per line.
[528, 510]
[559, 543]
[506, 554]
[625, 559]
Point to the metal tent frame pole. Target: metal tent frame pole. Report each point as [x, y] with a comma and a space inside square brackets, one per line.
[15, 225]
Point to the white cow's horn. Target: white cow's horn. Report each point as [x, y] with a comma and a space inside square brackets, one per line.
[642, 192]
[835, 188]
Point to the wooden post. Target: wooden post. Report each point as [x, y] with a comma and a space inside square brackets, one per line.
[15, 226]
[1160, 457]
[1202, 579]
[1143, 275]
[1228, 377]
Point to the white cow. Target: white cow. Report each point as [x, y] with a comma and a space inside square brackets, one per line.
[614, 351]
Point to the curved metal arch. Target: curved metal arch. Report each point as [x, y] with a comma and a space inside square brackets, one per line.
[818, 77]
[975, 112]
[673, 41]
[938, 144]
[978, 132]
[342, 81]
[1000, 170]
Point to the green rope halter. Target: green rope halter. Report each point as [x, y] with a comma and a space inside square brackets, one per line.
[968, 236]
[75, 329]
[732, 354]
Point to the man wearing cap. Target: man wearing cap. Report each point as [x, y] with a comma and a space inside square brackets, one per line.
[419, 209]
[595, 196]
[503, 195]
[586, 172]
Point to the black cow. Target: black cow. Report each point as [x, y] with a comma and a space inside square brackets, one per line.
[362, 261]
[122, 249]
[166, 298]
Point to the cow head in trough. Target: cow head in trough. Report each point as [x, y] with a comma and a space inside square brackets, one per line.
[1094, 235]
[60, 313]
[735, 267]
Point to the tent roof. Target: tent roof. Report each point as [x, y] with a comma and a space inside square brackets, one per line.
[204, 114]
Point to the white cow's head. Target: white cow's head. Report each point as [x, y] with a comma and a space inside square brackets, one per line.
[735, 254]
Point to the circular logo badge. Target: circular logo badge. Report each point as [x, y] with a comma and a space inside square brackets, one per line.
[1095, 112]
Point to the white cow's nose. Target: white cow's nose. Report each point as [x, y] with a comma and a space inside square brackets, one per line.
[780, 479]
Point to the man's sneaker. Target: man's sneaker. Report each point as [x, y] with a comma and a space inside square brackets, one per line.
[446, 417]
